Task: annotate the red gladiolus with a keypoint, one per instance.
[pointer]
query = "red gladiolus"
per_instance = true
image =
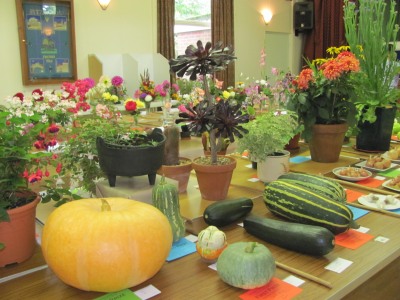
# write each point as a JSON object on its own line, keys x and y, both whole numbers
{"x": 59, "y": 167}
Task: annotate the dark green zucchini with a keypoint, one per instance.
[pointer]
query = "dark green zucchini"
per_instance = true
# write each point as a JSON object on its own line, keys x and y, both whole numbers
{"x": 302, "y": 205}
{"x": 307, "y": 239}
{"x": 225, "y": 212}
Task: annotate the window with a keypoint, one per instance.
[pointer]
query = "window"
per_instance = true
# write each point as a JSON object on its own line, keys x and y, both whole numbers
{"x": 192, "y": 23}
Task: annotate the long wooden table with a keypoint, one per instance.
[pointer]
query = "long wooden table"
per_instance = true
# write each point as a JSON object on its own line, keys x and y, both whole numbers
{"x": 375, "y": 271}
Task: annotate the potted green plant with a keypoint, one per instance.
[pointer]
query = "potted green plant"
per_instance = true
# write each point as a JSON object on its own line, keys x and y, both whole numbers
{"x": 321, "y": 96}
{"x": 220, "y": 119}
{"x": 371, "y": 32}
{"x": 265, "y": 141}
{"x": 29, "y": 127}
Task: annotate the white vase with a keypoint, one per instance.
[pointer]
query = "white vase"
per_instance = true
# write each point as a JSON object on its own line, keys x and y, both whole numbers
{"x": 273, "y": 166}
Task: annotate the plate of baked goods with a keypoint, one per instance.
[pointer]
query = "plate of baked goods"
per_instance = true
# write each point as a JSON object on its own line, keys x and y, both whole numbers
{"x": 393, "y": 154}
{"x": 377, "y": 163}
{"x": 392, "y": 184}
{"x": 352, "y": 173}
{"x": 387, "y": 202}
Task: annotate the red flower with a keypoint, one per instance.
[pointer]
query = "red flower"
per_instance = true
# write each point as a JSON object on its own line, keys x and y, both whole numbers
{"x": 53, "y": 128}
{"x": 20, "y": 96}
{"x": 305, "y": 77}
{"x": 59, "y": 167}
{"x": 131, "y": 106}
{"x": 37, "y": 95}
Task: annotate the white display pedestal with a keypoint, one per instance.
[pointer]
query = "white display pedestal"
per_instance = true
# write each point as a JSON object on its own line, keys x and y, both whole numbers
{"x": 136, "y": 188}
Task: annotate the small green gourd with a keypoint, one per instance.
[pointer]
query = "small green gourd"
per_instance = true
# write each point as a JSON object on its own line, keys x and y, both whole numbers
{"x": 165, "y": 197}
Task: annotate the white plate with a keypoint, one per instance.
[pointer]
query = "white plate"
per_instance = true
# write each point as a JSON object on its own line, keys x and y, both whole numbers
{"x": 349, "y": 178}
{"x": 386, "y": 185}
{"x": 364, "y": 201}
{"x": 362, "y": 164}
{"x": 385, "y": 155}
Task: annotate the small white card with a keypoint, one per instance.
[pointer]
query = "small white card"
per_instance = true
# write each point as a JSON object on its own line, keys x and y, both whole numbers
{"x": 147, "y": 292}
{"x": 339, "y": 265}
{"x": 293, "y": 280}
{"x": 253, "y": 179}
{"x": 213, "y": 266}
{"x": 191, "y": 238}
{"x": 249, "y": 166}
{"x": 362, "y": 229}
{"x": 381, "y": 239}
{"x": 380, "y": 177}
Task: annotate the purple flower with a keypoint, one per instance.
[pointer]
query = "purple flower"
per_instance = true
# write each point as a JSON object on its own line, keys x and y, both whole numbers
{"x": 142, "y": 96}
{"x": 117, "y": 81}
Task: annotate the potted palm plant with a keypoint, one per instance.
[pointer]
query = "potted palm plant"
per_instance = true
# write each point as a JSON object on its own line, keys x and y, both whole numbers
{"x": 29, "y": 126}
{"x": 371, "y": 32}
{"x": 265, "y": 141}
{"x": 220, "y": 119}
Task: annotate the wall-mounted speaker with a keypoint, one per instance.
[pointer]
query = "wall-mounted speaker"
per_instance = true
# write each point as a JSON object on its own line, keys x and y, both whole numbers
{"x": 303, "y": 16}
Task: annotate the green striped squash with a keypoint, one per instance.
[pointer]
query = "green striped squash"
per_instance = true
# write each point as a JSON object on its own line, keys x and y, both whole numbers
{"x": 300, "y": 204}
{"x": 319, "y": 184}
{"x": 165, "y": 197}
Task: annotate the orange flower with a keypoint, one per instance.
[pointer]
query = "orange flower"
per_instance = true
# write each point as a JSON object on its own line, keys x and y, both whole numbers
{"x": 305, "y": 77}
{"x": 331, "y": 69}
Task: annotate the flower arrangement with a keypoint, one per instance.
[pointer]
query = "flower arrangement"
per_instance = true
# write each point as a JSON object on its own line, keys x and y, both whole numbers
{"x": 146, "y": 91}
{"x": 115, "y": 90}
{"x": 322, "y": 92}
{"x": 220, "y": 119}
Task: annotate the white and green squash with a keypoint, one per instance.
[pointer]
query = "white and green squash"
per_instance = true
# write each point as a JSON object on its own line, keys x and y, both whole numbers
{"x": 319, "y": 184}
{"x": 246, "y": 265}
{"x": 165, "y": 197}
{"x": 304, "y": 205}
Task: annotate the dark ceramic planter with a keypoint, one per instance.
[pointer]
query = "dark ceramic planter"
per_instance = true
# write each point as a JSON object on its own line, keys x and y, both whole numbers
{"x": 133, "y": 160}
{"x": 375, "y": 137}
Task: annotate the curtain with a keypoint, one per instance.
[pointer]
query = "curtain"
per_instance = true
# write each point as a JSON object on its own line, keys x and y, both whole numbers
{"x": 328, "y": 29}
{"x": 165, "y": 28}
{"x": 222, "y": 30}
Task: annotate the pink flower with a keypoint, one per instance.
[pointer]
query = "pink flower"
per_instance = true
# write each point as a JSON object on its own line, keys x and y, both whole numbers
{"x": 117, "y": 81}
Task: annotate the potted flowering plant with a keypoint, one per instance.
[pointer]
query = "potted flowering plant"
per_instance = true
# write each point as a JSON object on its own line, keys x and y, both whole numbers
{"x": 29, "y": 128}
{"x": 220, "y": 119}
{"x": 322, "y": 95}
{"x": 372, "y": 33}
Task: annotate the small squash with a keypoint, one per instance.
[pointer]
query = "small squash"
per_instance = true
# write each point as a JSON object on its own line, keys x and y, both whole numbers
{"x": 106, "y": 245}
{"x": 246, "y": 265}
{"x": 210, "y": 243}
{"x": 165, "y": 197}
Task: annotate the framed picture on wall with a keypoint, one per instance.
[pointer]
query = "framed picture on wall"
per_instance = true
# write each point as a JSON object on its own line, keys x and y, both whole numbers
{"x": 46, "y": 33}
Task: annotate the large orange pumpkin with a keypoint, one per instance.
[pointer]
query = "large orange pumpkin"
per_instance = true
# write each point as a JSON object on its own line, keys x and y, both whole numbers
{"x": 106, "y": 245}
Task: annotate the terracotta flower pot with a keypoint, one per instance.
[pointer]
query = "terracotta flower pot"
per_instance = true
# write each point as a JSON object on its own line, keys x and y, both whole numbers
{"x": 180, "y": 173}
{"x": 18, "y": 235}
{"x": 326, "y": 142}
{"x": 214, "y": 180}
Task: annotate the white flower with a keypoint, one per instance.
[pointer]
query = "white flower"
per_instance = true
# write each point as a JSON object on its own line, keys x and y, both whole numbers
{"x": 148, "y": 98}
